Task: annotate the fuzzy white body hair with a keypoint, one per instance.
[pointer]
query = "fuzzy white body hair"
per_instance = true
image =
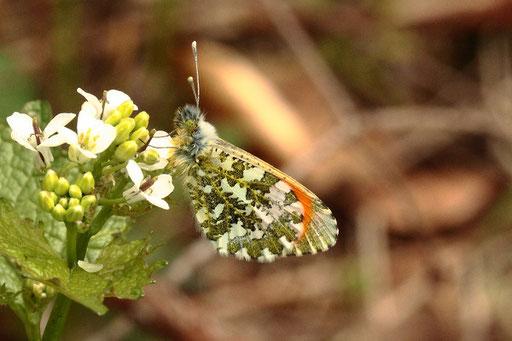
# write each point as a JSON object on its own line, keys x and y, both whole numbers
{"x": 193, "y": 137}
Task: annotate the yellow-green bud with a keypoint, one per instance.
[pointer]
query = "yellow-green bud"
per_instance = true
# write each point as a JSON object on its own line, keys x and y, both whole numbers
{"x": 45, "y": 201}
{"x": 59, "y": 212}
{"x": 140, "y": 136}
{"x": 75, "y": 191}
{"x": 141, "y": 120}
{"x": 73, "y": 202}
{"x": 74, "y": 213}
{"x": 126, "y": 108}
{"x": 126, "y": 150}
{"x": 50, "y": 180}
{"x": 63, "y": 202}
{"x": 87, "y": 202}
{"x": 149, "y": 157}
{"x": 86, "y": 182}
{"x": 123, "y": 129}
{"x": 113, "y": 118}
{"x": 62, "y": 186}
{"x": 55, "y": 197}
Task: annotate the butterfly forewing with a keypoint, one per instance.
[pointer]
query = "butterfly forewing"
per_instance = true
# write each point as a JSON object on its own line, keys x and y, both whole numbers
{"x": 253, "y": 211}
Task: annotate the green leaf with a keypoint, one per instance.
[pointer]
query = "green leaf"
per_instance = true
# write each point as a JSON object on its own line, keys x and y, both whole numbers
{"x": 125, "y": 268}
{"x": 19, "y": 183}
{"x": 26, "y": 246}
{"x": 115, "y": 225}
{"x": 10, "y": 284}
{"x": 123, "y": 274}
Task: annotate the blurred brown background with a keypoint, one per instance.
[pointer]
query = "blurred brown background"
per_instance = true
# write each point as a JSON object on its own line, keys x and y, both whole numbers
{"x": 396, "y": 113}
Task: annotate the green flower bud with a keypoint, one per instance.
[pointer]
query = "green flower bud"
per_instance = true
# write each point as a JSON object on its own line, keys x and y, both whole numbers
{"x": 86, "y": 182}
{"x": 141, "y": 120}
{"x": 126, "y": 108}
{"x": 54, "y": 197}
{"x": 59, "y": 212}
{"x": 113, "y": 118}
{"x": 73, "y": 202}
{"x": 63, "y": 202}
{"x": 75, "y": 191}
{"x": 126, "y": 150}
{"x": 140, "y": 136}
{"x": 62, "y": 186}
{"x": 74, "y": 213}
{"x": 123, "y": 129}
{"x": 50, "y": 180}
{"x": 45, "y": 201}
{"x": 149, "y": 157}
{"x": 87, "y": 202}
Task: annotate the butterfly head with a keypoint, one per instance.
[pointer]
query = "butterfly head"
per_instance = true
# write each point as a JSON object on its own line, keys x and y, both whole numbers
{"x": 193, "y": 133}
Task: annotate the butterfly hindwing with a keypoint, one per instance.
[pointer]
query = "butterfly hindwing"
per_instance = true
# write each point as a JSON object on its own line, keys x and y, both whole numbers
{"x": 253, "y": 211}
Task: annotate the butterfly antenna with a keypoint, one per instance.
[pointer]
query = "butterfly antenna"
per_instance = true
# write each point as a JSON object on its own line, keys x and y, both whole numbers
{"x": 190, "y": 81}
{"x": 194, "y": 52}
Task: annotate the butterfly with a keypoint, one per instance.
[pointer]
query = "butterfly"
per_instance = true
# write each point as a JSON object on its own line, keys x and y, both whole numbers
{"x": 243, "y": 205}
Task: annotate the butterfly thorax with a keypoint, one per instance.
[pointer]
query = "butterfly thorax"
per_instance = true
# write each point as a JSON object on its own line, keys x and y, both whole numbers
{"x": 193, "y": 135}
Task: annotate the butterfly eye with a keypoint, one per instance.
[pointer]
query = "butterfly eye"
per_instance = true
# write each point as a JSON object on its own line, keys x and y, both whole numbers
{"x": 190, "y": 126}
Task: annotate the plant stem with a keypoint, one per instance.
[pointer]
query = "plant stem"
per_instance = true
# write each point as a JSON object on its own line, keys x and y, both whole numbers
{"x": 71, "y": 238}
{"x": 114, "y": 168}
{"x": 96, "y": 225}
{"x": 62, "y": 304}
{"x": 99, "y": 220}
{"x": 98, "y": 166}
{"x": 109, "y": 202}
{"x": 57, "y": 319}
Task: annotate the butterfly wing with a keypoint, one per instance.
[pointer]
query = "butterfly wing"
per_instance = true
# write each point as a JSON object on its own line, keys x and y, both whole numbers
{"x": 253, "y": 211}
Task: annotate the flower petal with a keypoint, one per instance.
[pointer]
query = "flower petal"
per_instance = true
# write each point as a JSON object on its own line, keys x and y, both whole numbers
{"x": 107, "y": 135}
{"x": 21, "y": 124}
{"x": 114, "y": 99}
{"x": 54, "y": 141}
{"x": 159, "y": 165}
{"x": 134, "y": 172}
{"x": 133, "y": 194}
{"x": 77, "y": 154}
{"x": 85, "y": 121}
{"x": 70, "y": 137}
{"x": 47, "y": 155}
{"x": 156, "y": 201}
{"x": 90, "y": 267}
{"x": 16, "y": 137}
{"x": 90, "y": 109}
{"x": 58, "y": 121}
{"x": 93, "y": 100}
{"x": 162, "y": 187}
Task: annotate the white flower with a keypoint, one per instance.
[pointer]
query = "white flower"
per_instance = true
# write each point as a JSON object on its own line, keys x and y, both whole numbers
{"x": 94, "y": 106}
{"x": 162, "y": 144}
{"x": 94, "y": 136}
{"x": 152, "y": 190}
{"x": 26, "y": 132}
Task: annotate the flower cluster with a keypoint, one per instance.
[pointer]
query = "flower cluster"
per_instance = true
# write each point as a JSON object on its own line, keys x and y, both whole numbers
{"x": 111, "y": 147}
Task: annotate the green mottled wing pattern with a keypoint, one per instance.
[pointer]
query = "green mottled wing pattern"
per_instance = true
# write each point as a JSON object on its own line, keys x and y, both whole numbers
{"x": 253, "y": 211}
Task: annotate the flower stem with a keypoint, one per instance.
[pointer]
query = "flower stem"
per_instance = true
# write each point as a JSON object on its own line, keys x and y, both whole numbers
{"x": 111, "y": 201}
{"x": 57, "y": 319}
{"x": 33, "y": 331}
{"x": 71, "y": 239}
{"x": 104, "y": 157}
{"x": 114, "y": 168}
{"x": 62, "y": 304}
{"x": 100, "y": 219}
